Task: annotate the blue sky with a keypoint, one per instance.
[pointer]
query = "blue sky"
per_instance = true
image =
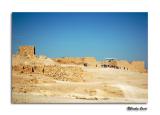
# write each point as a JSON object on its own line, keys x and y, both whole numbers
{"x": 102, "y": 35}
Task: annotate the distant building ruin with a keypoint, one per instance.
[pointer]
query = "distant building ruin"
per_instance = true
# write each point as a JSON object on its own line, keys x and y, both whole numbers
{"x": 137, "y": 66}
{"x": 124, "y": 65}
{"x": 86, "y": 61}
{"x": 28, "y": 51}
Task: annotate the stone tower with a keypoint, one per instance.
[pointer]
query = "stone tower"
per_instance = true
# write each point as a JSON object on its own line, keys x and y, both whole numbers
{"x": 27, "y": 51}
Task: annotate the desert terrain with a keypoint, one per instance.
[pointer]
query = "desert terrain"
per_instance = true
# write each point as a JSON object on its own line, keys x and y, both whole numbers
{"x": 39, "y": 79}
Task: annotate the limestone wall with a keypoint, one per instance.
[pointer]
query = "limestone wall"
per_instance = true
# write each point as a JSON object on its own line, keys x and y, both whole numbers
{"x": 112, "y": 63}
{"x": 57, "y": 72}
{"x": 68, "y": 60}
{"x": 18, "y": 68}
{"x": 137, "y": 66}
{"x": 28, "y": 51}
{"x": 90, "y": 61}
{"x": 123, "y": 64}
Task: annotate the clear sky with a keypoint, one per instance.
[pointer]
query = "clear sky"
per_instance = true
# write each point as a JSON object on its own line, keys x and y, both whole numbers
{"x": 102, "y": 35}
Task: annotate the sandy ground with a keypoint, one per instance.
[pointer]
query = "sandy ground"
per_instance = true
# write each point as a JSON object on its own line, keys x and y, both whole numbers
{"x": 100, "y": 85}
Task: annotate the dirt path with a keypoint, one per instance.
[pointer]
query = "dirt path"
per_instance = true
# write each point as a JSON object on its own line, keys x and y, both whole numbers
{"x": 99, "y": 86}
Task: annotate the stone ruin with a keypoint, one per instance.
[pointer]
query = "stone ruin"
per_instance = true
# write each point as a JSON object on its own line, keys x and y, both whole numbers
{"x": 137, "y": 66}
{"x": 31, "y": 66}
{"x": 57, "y": 72}
{"x": 27, "y": 51}
{"x": 86, "y": 61}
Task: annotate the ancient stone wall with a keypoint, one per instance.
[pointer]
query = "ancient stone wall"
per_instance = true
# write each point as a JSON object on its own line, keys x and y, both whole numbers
{"x": 28, "y": 51}
{"x": 18, "y": 68}
{"x": 133, "y": 66}
{"x": 27, "y": 69}
{"x": 111, "y": 63}
{"x": 137, "y": 66}
{"x": 90, "y": 61}
{"x": 123, "y": 64}
{"x": 68, "y": 60}
{"x": 51, "y": 70}
{"x": 57, "y": 72}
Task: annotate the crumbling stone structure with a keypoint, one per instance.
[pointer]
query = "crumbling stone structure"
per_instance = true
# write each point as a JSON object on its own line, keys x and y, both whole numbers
{"x": 18, "y": 68}
{"x": 87, "y": 61}
{"x": 27, "y": 69}
{"x": 137, "y": 66}
{"x": 27, "y": 51}
{"x": 57, "y": 72}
